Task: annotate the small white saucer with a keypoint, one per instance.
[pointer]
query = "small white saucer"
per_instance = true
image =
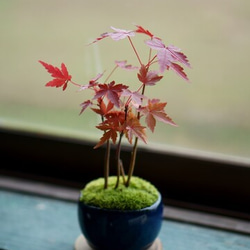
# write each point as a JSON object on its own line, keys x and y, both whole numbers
{"x": 81, "y": 244}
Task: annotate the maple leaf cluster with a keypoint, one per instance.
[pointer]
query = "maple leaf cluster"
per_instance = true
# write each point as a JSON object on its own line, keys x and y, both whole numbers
{"x": 121, "y": 108}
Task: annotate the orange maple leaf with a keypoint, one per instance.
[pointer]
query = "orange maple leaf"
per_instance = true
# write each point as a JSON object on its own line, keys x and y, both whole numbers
{"x": 134, "y": 128}
{"x": 103, "y": 109}
{"x": 111, "y": 126}
{"x": 109, "y": 134}
{"x": 155, "y": 111}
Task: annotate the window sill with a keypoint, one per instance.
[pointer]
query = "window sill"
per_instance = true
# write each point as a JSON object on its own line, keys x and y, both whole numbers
{"x": 170, "y": 213}
{"x": 195, "y": 182}
{"x": 47, "y": 214}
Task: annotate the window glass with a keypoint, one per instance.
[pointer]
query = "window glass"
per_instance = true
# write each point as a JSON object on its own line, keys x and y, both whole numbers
{"x": 212, "y": 111}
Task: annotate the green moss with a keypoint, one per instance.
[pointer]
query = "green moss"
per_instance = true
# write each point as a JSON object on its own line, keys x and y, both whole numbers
{"x": 138, "y": 195}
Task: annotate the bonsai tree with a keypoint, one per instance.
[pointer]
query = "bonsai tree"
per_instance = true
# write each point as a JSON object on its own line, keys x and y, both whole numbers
{"x": 125, "y": 111}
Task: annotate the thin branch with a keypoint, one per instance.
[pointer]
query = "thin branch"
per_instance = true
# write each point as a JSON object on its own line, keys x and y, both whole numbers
{"x": 132, "y": 162}
{"x": 134, "y": 152}
{"x": 76, "y": 84}
{"x": 111, "y": 73}
{"x": 118, "y": 153}
{"x": 106, "y": 165}
{"x": 122, "y": 172}
{"x": 136, "y": 53}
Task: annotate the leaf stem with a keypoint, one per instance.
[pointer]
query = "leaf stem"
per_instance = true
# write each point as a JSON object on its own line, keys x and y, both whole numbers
{"x": 136, "y": 53}
{"x": 151, "y": 61}
{"x": 76, "y": 84}
{"x": 149, "y": 55}
{"x": 110, "y": 74}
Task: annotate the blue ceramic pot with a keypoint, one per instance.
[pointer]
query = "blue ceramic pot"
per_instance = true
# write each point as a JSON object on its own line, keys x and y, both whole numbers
{"x": 124, "y": 230}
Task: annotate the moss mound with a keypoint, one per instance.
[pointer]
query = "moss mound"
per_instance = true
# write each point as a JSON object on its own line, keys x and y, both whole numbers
{"x": 138, "y": 195}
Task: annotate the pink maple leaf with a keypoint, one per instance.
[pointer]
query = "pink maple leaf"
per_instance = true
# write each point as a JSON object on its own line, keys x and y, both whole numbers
{"x": 155, "y": 43}
{"x": 85, "y": 105}
{"x": 135, "y": 97}
{"x": 119, "y": 34}
{"x": 168, "y": 56}
{"x": 96, "y": 78}
{"x": 92, "y": 82}
{"x": 124, "y": 65}
{"x": 164, "y": 59}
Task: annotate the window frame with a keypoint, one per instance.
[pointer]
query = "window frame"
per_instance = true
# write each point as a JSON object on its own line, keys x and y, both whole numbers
{"x": 192, "y": 181}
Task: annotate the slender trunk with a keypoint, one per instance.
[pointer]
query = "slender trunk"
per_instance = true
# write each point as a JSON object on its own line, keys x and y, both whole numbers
{"x": 106, "y": 166}
{"x": 132, "y": 162}
{"x": 122, "y": 172}
{"x": 134, "y": 152}
{"x": 118, "y": 153}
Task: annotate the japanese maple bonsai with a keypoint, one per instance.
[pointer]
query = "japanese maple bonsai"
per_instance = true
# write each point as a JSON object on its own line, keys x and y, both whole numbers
{"x": 122, "y": 109}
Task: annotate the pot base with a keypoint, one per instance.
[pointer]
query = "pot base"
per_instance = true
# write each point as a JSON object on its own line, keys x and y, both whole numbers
{"x": 81, "y": 244}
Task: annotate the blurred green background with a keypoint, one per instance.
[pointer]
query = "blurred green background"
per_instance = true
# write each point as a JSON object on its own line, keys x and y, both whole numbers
{"x": 212, "y": 111}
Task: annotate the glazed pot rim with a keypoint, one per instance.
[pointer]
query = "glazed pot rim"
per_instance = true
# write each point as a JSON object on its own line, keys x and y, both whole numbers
{"x": 152, "y": 207}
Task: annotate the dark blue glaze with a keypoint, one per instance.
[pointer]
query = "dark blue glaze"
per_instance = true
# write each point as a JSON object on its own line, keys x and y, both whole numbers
{"x": 120, "y": 230}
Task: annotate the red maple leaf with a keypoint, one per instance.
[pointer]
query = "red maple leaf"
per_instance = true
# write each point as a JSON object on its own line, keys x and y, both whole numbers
{"x": 140, "y": 29}
{"x": 111, "y": 91}
{"x": 61, "y": 76}
{"x": 178, "y": 55}
{"x": 179, "y": 70}
{"x": 102, "y": 36}
{"x": 134, "y": 128}
{"x": 155, "y": 111}
{"x": 116, "y": 118}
